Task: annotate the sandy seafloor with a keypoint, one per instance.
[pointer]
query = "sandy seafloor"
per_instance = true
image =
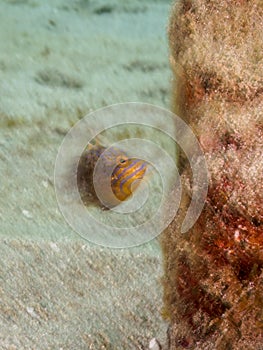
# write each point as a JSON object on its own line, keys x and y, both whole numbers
{"x": 59, "y": 60}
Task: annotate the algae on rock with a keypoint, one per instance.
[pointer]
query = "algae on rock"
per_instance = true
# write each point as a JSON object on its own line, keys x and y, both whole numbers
{"x": 213, "y": 274}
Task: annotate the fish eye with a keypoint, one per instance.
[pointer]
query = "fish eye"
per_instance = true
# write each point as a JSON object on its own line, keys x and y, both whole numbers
{"x": 122, "y": 160}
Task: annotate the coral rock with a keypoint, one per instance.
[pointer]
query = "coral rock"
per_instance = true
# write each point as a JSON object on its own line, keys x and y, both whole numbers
{"x": 213, "y": 283}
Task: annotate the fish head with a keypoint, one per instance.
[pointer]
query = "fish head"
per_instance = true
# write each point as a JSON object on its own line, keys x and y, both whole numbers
{"x": 127, "y": 175}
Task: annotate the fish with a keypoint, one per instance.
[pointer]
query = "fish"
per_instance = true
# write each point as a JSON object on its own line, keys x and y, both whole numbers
{"x": 125, "y": 174}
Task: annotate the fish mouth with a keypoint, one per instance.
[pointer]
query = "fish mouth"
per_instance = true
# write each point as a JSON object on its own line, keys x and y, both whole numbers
{"x": 140, "y": 177}
{"x": 142, "y": 168}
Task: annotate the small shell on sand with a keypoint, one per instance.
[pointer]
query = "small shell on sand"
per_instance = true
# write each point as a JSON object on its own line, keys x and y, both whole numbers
{"x": 154, "y": 345}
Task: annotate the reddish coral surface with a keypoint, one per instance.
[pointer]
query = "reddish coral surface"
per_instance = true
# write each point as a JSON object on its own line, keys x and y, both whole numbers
{"x": 214, "y": 273}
